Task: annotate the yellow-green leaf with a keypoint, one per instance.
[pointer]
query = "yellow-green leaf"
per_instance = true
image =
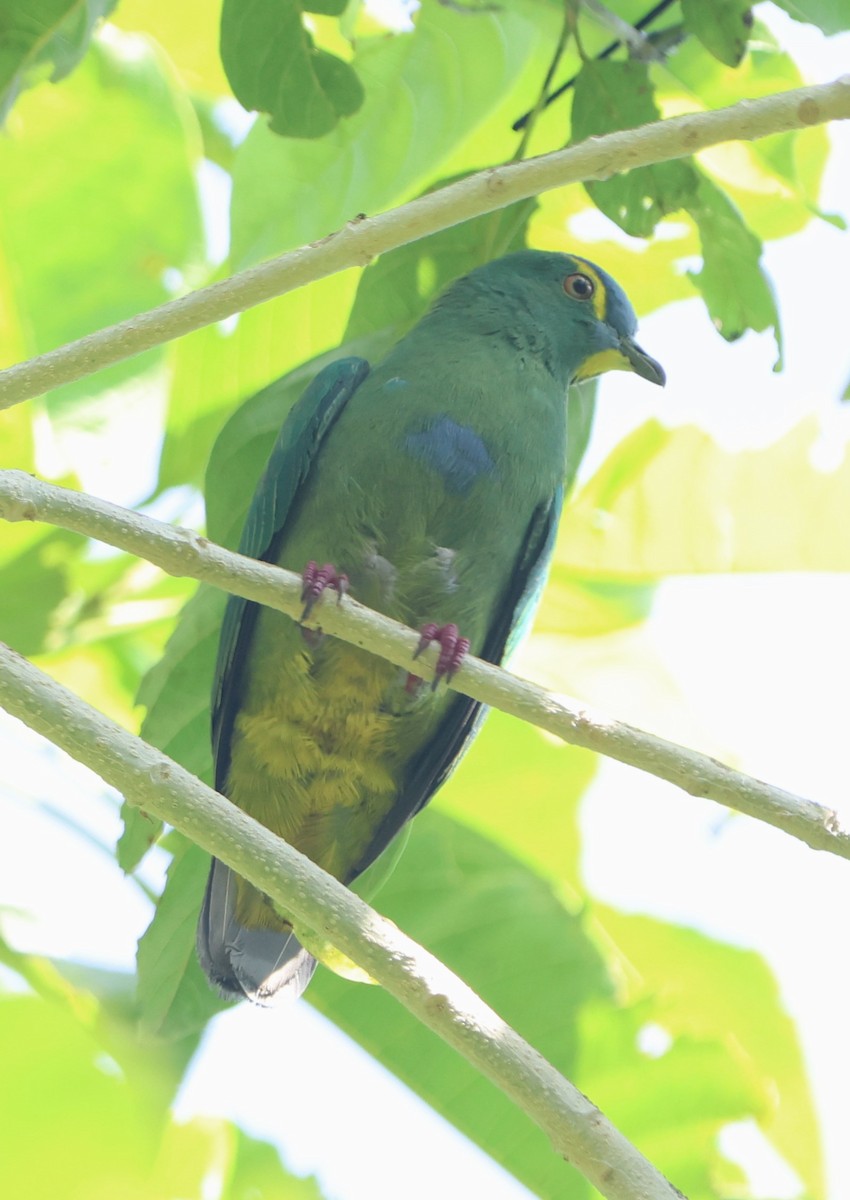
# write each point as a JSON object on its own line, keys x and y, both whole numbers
{"x": 756, "y": 510}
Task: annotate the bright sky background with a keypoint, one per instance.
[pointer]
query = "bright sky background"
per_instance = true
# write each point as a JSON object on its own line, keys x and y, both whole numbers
{"x": 764, "y": 663}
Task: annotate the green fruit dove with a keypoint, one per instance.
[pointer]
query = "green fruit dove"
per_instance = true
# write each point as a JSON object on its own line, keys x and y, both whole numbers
{"x": 430, "y": 486}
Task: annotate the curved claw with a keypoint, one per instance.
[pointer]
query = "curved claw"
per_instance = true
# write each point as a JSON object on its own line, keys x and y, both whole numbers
{"x": 315, "y": 580}
{"x": 453, "y": 649}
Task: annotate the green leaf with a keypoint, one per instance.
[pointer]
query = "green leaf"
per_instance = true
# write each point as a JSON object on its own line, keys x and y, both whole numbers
{"x": 42, "y": 39}
{"x": 723, "y": 27}
{"x": 737, "y": 293}
{"x": 127, "y": 213}
{"x": 509, "y": 760}
{"x": 243, "y": 1168}
{"x": 99, "y": 1096}
{"x": 628, "y": 522}
{"x": 213, "y": 369}
{"x": 590, "y": 608}
{"x": 35, "y": 564}
{"x": 397, "y": 290}
{"x": 700, "y": 989}
{"x": 188, "y": 33}
{"x": 174, "y": 998}
{"x": 139, "y": 834}
{"x": 775, "y": 181}
{"x": 581, "y": 409}
{"x": 832, "y": 16}
{"x": 181, "y": 728}
{"x": 109, "y": 626}
{"x": 13, "y": 348}
{"x": 506, "y": 932}
{"x": 60, "y": 1090}
{"x": 419, "y": 109}
{"x": 186, "y": 1156}
{"x": 618, "y": 95}
{"x": 176, "y": 693}
{"x": 328, "y": 8}
{"x": 672, "y": 1105}
{"x": 274, "y": 67}
{"x": 257, "y": 1172}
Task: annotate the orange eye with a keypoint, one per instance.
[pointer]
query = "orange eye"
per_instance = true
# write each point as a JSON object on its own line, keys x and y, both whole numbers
{"x": 580, "y": 287}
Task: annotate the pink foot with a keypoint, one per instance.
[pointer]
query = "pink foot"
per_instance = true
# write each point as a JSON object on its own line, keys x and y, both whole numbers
{"x": 453, "y": 650}
{"x": 315, "y": 580}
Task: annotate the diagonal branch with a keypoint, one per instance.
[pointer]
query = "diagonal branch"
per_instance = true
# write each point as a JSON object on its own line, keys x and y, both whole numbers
{"x": 365, "y": 237}
{"x": 575, "y": 1126}
{"x": 183, "y": 552}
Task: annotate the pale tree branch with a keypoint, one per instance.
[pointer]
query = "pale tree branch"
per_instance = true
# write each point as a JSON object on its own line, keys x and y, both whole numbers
{"x": 184, "y": 553}
{"x": 363, "y": 238}
{"x": 438, "y": 998}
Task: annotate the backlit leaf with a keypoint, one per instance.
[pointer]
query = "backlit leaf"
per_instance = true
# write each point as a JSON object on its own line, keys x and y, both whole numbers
{"x": 274, "y": 66}
{"x": 174, "y": 998}
{"x": 419, "y": 108}
{"x": 774, "y": 181}
{"x": 736, "y": 290}
{"x": 832, "y": 16}
{"x": 756, "y": 510}
{"x": 127, "y": 213}
{"x": 723, "y": 26}
{"x": 728, "y": 993}
{"x": 213, "y": 369}
{"x": 188, "y": 32}
{"x": 396, "y": 290}
{"x": 41, "y": 39}
{"x": 62, "y": 1091}
{"x": 618, "y": 95}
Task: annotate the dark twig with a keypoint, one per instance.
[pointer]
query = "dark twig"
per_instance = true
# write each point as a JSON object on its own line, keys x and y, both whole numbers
{"x": 640, "y": 25}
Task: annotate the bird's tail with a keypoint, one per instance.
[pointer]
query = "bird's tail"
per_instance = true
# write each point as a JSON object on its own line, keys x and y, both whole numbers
{"x": 264, "y": 963}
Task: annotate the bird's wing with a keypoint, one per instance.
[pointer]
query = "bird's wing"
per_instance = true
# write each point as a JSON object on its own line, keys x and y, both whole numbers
{"x": 291, "y": 459}
{"x": 431, "y": 767}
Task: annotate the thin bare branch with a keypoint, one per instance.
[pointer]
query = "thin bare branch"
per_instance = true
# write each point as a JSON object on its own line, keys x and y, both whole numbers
{"x": 185, "y": 553}
{"x": 364, "y": 238}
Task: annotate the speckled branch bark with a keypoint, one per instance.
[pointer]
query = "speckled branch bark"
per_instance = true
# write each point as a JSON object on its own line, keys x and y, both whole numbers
{"x": 364, "y": 238}
{"x": 182, "y": 552}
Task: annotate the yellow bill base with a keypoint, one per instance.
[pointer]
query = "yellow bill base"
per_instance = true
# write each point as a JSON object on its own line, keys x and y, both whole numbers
{"x": 605, "y": 360}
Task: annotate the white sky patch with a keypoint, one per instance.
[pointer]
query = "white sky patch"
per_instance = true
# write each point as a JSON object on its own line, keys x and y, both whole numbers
{"x": 771, "y": 1178}
{"x": 291, "y": 1076}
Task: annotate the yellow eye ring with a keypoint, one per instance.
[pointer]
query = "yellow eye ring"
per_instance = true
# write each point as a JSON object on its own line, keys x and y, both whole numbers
{"x": 580, "y": 287}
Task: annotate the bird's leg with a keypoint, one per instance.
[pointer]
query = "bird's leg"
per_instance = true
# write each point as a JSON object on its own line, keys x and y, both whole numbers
{"x": 315, "y": 580}
{"x": 453, "y": 650}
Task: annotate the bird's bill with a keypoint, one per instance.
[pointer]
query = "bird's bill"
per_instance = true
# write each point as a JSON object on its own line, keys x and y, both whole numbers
{"x": 625, "y": 356}
{"x": 640, "y": 362}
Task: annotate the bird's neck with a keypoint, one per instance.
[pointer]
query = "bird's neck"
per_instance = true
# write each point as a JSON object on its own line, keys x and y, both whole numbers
{"x": 508, "y": 326}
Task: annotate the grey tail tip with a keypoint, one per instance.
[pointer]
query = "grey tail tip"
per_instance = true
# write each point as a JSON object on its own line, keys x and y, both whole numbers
{"x": 265, "y": 966}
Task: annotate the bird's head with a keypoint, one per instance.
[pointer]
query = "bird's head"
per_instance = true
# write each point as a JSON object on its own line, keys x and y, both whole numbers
{"x": 585, "y": 313}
